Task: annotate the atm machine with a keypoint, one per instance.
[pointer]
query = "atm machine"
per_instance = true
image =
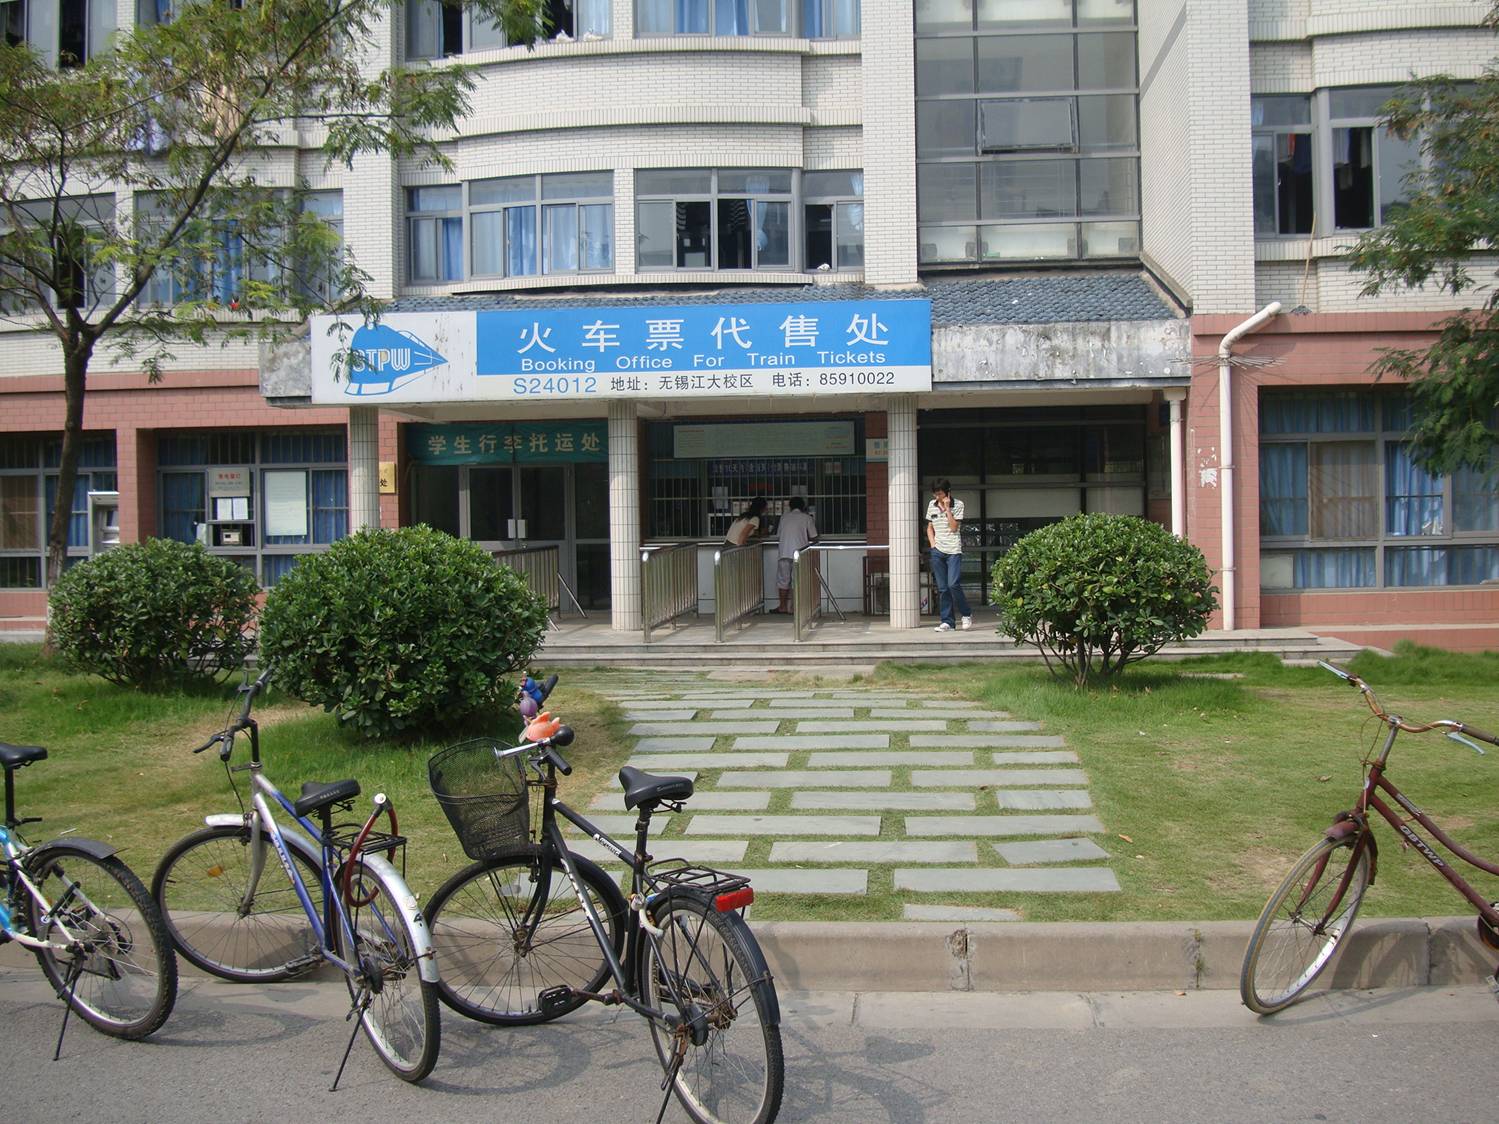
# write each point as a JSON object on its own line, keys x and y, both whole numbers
{"x": 103, "y": 521}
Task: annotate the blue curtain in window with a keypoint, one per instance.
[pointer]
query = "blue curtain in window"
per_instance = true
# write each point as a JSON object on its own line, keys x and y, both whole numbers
{"x": 1283, "y": 490}
{"x": 731, "y": 17}
{"x": 1352, "y": 568}
{"x": 78, "y": 522}
{"x": 1335, "y": 412}
{"x": 1475, "y": 503}
{"x": 330, "y": 505}
{"x": 1425, "y": 565}
{"x": 1413, "y": 497}
{"x": 1474, "y": 564}
{"x": 812, "y": 21}
{"x": 182, "y": 505}
{"x": 274, "y": 566}
{"x": 228, "y": 266}
{"x": 692, "y": 17}
{"x": 452, "y": 249}
{"x": 302, "y": 448}
{"x": 520, "y": 241}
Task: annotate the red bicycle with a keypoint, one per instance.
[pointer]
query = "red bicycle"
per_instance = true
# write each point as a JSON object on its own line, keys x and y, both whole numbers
{"x": 1309, "y": 915}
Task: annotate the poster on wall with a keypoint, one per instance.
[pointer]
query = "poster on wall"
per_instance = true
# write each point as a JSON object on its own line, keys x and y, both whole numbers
{"x": 793, "y": 349}
{"x": 286, "y": 503}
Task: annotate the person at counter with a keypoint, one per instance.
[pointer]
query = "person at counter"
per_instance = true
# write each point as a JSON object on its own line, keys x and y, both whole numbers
{"x": 796, "y": 531}
{"x": 749, "y": 524}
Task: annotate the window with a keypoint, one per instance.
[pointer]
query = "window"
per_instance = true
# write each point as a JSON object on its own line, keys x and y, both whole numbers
{"x": 434, "y": 224}
{"x": 522, "y": 225}
{"x": 64, "y": 32}
{"x": 80, "y": 221}
{"x": 1344, "y": 505}
{"x": 435, "y": 29}
{"x": 703, "y": 219}
{"x": 261, "y": 498}
{"x": 322, "y": 285}
{"x": 812, "y": 19}
{"x": 1282, "y": 164}
{"x": 833, "y": 220}
{"x": 1368, "y": 163}
{"x": 28, "y": 498}
{"x": 1027, "y": 141}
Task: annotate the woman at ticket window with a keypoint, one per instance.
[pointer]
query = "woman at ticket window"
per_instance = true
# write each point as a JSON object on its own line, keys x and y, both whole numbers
{"x": 749, "y": 524}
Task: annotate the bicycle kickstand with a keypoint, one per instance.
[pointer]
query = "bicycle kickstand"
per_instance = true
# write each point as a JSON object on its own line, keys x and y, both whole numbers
{"x": 679, "y": 1054}
{"x": 356, "y": 1013}
{"x": 75, "y": 969}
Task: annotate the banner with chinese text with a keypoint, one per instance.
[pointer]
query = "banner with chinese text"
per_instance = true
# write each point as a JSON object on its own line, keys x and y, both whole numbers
{"x": 508, "y": 442}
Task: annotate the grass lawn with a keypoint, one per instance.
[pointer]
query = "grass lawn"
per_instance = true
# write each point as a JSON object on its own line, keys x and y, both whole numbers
{"x": 1208, "y": 786}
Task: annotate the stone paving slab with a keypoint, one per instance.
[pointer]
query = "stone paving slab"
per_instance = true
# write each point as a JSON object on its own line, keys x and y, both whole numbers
{"x": 925, "y": 712}
{"x": 902, "y": 727}
{"x": 615, "y": 825}
{"x": 674, "y": 745}
{"x": 1018, "y": 741}
{"x": 1038, "y": 757}
{"x": 693, "y": 850}
{"x": 831, "y": 881}
{"x": 736, "y": 801}
{"x": 802, "y": 778}
{"x": 979, "y": 741}
{"x": 998, "y": 777}
{"x": 670, "y": 729}
{"x": 912, "y": 912}
{"x": 660, "y": 715}
{"x": 651, "y": 704}
{"x": 1040, "y": 799}
{"x": 1049, "y": 851}
{"x": 899, "y": 757}
{"x": 779, "y": 703}
{"x": 780, "y": 713}
{"x": 922, "y": 826}
{"x": 825, "y": 741}
{"x": 713, "y": 824}
{"x": 843, "y": 851}
{"x": 1056, "y": 880}
{"x": 671, "y": 762}
{"x": 852, "y": 801}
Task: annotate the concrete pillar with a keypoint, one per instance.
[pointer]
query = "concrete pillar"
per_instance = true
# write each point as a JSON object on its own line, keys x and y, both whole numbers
{"x": 905, "y": 516}
{"x": 364, "y": 467}
{"x": 624, "y": 516}
{"x": 1178, "y": 484}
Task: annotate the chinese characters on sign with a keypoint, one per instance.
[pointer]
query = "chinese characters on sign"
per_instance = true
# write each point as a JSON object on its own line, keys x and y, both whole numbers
{"x": 809, "y": 348}
{"x": 507, "y": 442}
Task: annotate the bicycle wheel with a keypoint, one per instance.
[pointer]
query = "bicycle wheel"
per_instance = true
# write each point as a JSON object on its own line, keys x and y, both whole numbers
{"x": 119, "y": 968}
{"x": 490, "y": 970}
{"x": 702, "y": 970}
{"x": 1291, "y": 944}
{"x": 400, "y": 1008}
{"x": 202, "y": 886}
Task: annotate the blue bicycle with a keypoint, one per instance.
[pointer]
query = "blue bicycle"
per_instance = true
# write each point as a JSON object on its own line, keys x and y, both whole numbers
{"x": 252, "y": 901}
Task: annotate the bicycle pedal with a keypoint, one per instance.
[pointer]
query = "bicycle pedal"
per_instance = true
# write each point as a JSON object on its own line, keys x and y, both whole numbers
{"x": 552, "y": 999}
{"x": 302, "y": 965}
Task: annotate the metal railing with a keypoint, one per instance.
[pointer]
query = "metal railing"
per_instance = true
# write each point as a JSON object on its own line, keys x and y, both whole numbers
{"x": 808, "y": 585}
{"x": 668, "y": 584}
{"x": 540, "y": 567}
{"x": 738, "y": 585}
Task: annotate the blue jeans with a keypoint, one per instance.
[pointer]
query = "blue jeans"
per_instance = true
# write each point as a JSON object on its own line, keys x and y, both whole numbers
{"x": 947, "y": 572}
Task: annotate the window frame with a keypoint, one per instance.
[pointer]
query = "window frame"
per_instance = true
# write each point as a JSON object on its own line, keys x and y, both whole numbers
{"x": 838, "y": 202}
{"x": 438, "y": 220}
{"x": 100, "y": 21}
{"x": 98, "y": 470}
{"x": 794, "y": 28}
{"x": 540, "y": 203}
{"x": 1275, "y": 132}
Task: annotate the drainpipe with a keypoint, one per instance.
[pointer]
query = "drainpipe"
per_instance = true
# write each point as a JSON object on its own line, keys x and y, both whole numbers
{"x": 1226, "y": 454}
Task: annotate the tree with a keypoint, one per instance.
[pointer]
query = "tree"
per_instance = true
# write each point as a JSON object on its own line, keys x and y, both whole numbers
{"x": 1443, "y": 236}
{"x": 179, "y": 115}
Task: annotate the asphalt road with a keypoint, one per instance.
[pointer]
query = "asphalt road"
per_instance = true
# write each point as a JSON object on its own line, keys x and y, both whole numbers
{"x": 265, "y": 1053}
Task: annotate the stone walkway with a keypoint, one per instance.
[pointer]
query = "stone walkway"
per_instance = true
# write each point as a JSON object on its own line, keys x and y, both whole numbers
{"x": 959, "y": 812}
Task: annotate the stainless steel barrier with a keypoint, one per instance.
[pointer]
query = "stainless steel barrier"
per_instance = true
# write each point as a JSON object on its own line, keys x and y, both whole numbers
{"x": 808, "y": 585}
{"x": 738, "y": 585}
{"x": 668, "y": 584}
{"x": 540, "y": 567}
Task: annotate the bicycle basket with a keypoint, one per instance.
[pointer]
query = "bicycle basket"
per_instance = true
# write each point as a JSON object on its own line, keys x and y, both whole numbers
{"x": 484, "y": 797}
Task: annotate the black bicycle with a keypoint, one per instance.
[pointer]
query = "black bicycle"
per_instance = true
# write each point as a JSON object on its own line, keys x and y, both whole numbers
{"x": 531, "y": 931}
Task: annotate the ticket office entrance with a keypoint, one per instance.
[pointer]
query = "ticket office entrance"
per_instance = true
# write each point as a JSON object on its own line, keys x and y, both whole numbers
{"x": 512, "y": 506}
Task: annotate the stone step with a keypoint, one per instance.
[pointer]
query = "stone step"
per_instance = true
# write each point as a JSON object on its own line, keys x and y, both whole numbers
{"x": 674, "y": 745}
{"x": 952, "y": 712}
{"x": 736, "y": 801}
{"x": 1049, "y": 851}
{"x": 861, "y": 727}
{"x": 780, "y": 713}
{"x": 1020, "y": 880}
{"x": 788, "y": 881}
{"x": 660, "y": 716}
{"x": 998, "y": 777}
{"x": 898, "y": 757}
{"x": 823, "y": 741}
{"x": 687, "y": 729}
{"x": 714, "y": 824}
{"x": 969, "y": 826}
{"x": 674, "y": 762}
{"x": 1037, "y": 757}
{"x": 711, "y": 851}
{"x": 843, "y": 851}
{"x": 806, "y": 778}
{"x": 1040, "y": 799}
{"x": 992, "y": 741}
{"x": 854, "y": 801}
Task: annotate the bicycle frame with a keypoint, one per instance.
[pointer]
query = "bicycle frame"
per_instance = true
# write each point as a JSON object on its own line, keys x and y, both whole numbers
{"x": 15, "y": 850}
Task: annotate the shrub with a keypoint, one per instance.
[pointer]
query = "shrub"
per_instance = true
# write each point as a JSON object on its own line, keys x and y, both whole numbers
{"x": 400, "y": 631}
{"x": 1097, "y": 592}
{"x": 155, "y": 612}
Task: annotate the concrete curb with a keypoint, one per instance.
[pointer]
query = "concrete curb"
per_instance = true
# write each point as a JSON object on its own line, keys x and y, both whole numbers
{"x": 1082, "y": 956}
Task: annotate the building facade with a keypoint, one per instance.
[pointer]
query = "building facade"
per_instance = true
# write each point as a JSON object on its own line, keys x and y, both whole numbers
{"x": 652, "y": 287}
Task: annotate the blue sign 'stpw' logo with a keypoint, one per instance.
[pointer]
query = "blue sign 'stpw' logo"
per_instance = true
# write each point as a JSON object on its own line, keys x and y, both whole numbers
{"x": 382, "y": 359}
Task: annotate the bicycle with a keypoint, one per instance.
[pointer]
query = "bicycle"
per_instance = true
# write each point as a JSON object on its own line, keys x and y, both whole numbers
{"x": 531, "y": 931}
{"x": 236, "y": 914}
{"x": 90, "y": 923}
{"x": 1311, "y": 912}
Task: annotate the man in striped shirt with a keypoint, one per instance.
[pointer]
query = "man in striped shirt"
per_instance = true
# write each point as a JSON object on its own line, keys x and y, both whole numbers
{"x": 944, "y": 517}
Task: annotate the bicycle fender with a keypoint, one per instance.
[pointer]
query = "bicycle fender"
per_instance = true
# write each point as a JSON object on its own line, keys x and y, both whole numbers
{"x": 294, "y": 838}
{"x": 764, "y": 984}
{"x": 426, "y": 958}
{"x": 93, "y": 848}
{"x": 1346, "y": 825}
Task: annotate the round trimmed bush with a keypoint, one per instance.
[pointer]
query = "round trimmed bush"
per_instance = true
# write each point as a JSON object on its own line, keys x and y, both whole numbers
{"x": 400, "y": 631}
{"x": 1097, "y": 592}
{"x": 155, "y": 612}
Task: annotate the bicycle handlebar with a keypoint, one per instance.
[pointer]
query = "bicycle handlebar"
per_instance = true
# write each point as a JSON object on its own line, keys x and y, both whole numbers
{"x": 1452, "y": 726}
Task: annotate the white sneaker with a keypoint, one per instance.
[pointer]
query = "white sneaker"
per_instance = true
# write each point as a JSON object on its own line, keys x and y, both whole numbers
{"x": 943, "y": 627}
{"x": 966, "y": 624}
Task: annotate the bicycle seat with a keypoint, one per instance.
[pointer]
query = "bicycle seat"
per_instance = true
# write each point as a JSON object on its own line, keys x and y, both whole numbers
{"x": 647, "y": 788}
{"x": 14, "y": 756}
{"x": 316, "y": 797}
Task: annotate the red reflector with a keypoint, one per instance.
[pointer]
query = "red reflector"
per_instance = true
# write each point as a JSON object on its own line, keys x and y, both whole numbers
{"x": 725, "y": 903}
